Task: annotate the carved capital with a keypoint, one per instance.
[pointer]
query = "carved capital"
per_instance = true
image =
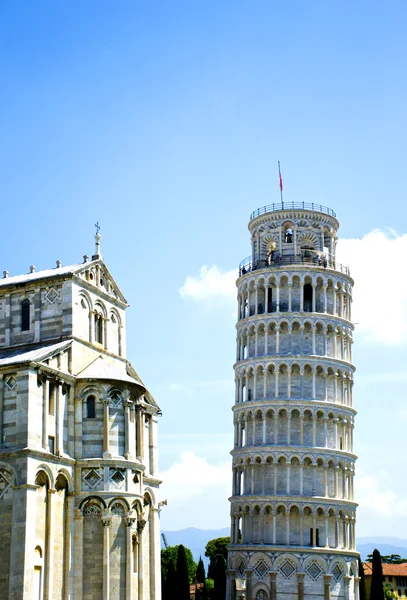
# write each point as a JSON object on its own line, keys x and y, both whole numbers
{"x": 141, "y": 523}
{"x": 130, "y": 518}
{"x": 106, "y": 518}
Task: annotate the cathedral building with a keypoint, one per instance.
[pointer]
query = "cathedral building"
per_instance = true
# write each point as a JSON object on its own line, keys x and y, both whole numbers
{"x": 292, "y": 504}
{"x": 79, "y": 514}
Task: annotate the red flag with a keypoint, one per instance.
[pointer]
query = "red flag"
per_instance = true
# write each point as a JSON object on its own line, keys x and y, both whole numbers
{"x": 281, "y": 179}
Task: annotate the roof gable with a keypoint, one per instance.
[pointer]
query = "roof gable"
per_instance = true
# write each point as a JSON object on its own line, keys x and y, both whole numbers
{"x": 84, "y": 271}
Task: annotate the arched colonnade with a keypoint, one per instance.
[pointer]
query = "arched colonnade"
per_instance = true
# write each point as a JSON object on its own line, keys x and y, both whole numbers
{"x": 294, "y": 292}
{"x": 297, "y": 336}
{"x": 293, "y": 379}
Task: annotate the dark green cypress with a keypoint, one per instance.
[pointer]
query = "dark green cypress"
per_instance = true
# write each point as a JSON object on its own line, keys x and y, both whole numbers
{"x": 169, "y": 583}
{"x": 200, "y": 580}
{"x": 219, "y": 579}
{"x": 376, "y": 591}
{"x": 182, "y": 576}
{"x": 362, "y": 582}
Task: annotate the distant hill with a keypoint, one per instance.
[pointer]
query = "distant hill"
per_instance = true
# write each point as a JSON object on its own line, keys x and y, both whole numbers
{"x": 196, "y": 540}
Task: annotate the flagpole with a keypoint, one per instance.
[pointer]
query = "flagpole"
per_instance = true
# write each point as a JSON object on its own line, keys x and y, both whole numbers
{"x": 281, "y": 183}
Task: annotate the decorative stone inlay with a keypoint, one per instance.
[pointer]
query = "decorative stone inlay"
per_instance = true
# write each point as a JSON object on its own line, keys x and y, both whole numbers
{"x": 337, "y": 572}
{"x": 92, "y": 510}
{"x": 11, "y": 382}
{"x": 4, "y": 482}
{"x": 115, "y": 401}
{"x": 117, "y": 476}
{"x": 118, "y": 510}
{"x": 92, "y": 478}
{"x": 51, "y": 296}
{"x": 261, "y": 568}
{"x": 241, "y": 568}
{"x": 314, "y": 570}
{"x": 287, "y": 568}
{"x": 261, "y": 595}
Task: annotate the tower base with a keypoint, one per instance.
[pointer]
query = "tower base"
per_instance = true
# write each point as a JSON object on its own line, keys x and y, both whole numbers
{"x": 273, "y": 573}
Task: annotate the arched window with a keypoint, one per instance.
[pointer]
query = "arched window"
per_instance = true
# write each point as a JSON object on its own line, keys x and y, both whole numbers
{"x": 98, "y": 328}
{"x": 90, "y": 407}
{"x": 308, "y": 297}
{"x": 25, "y": 315}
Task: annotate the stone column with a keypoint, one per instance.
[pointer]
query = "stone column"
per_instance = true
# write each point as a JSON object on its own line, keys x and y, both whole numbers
{"x": 69, "y": 546}
{"x": 49, "y": 544}
{"x": 346, "y": 582}
{"x": 289, "y": 297}
{"x": 266, "y": 340}
{"x": 326, "y": 531}
{"x": 248, "y": 573}
{"x": 302, "y": 296}
{"x": 301, "y": 430}
{"x": 77, "y": 547}
{"x": 106, "y": 427}
{"x": 289, "y": 382}
{"x": 327, "y": 587}
{"x": 325, "y": 299}
{"x": 356, "y": 581}
{"x": 127, "y": 451}
{"x": 140, "y": 432}
{"x": 300, "y": 577}
{"x": 59, "y": 419}
{"x": 287, "y": 528}
{"x": 129, "y": 566}
{"x": 45, "y": 404}
{"x": 106, "y": 522}
{"x": 266, "y": 299}
{"x": 314, "y": 530}
{"x": 71, "y": 421}
{"x": 273, "y": 585}
{"x": 264, "y": 428}
{"x": 274, "y": 528}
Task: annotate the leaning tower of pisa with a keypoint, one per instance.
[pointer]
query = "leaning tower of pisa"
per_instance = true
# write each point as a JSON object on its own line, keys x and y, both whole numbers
{"x": 292, "y": 503}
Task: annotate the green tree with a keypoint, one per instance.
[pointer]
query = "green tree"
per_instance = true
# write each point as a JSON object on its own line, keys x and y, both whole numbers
{"x": 362, "y": 583}
{"x": 219, "y": 579}
{"x": 201, "y": 593}
{"x": 213, "y": 548}
{"x": 182, "y": 575}
{"x": 170, "y": 554}
{"x": 388, "y": 592}
{"x": 168, "y": 581}
{"x": 376, "y": 591}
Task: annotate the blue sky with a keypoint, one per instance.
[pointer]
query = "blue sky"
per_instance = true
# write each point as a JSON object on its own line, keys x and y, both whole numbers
{"x": 164, "y": 121}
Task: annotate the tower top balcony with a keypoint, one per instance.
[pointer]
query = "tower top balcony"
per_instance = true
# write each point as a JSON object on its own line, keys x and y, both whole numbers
{"x": 283, "y": 206}
{"x": 307, "y": 259}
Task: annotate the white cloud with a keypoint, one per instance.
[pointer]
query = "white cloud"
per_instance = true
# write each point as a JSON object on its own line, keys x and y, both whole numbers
{"x": 379, "y": 505}
{"x": 197, "y": 493}
{"x": 378, "y": 263}
{"x": 210, "y": 284}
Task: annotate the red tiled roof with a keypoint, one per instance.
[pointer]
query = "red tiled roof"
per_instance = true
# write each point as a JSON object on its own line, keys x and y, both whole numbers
{"x": 392, "y": 570}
